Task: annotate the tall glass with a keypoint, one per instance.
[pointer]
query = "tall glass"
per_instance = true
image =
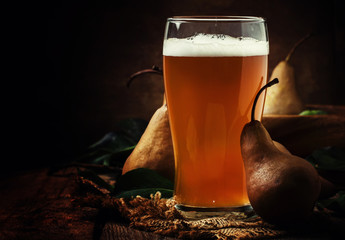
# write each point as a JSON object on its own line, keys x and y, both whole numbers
{"x": 213, "y": 68}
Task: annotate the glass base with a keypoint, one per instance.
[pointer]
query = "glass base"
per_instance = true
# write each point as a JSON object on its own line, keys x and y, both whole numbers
{"x": 196, "y": 213}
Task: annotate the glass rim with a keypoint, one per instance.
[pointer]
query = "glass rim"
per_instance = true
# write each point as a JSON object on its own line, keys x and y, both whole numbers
{"x": 210, "y": 18}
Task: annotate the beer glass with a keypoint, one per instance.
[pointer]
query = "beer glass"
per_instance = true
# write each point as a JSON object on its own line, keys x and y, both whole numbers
{"x": 213, "y": 68}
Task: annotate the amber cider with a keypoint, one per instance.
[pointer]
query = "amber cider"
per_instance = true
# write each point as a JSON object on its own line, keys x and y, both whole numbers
{"x": 210, "y": 83}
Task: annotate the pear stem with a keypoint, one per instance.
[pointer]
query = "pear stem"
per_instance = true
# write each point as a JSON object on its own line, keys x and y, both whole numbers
{"x": 154, "y": 69}
{"x": 269, "y": 84}
{"x": 296, "y": 45}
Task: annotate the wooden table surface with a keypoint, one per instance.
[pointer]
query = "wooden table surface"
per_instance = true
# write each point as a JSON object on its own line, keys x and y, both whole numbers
{"x": 39, "y": 205}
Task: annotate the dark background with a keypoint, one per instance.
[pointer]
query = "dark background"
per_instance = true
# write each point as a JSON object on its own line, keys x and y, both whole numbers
{"x": 67, "y": 64}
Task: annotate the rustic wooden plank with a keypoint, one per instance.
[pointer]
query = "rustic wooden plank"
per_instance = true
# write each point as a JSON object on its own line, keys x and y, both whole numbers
{"x": 116, "y": 231}
{"x": 36, "y": 205}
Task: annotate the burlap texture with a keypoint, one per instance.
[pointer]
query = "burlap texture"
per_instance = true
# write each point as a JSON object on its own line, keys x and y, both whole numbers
{"x": 159, "y": 216}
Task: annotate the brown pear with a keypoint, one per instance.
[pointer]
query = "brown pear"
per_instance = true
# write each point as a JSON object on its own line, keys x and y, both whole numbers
{"x": 281, "y": 147}
{"x": 282, "y": 188}
{"x": 284, "y": 98}
{"x": 154, "y": 149}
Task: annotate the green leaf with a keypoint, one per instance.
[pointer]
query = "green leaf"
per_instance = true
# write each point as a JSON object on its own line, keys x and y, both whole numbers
{"x": 330, "y": 158}
{"x": 142, "y": 178}
{"x": 123, "y": 153}
{"x": 313, "y": 112}
{"x": 133, "y": 128}
{"x": 112, "y": 149}
{"x": 115, "y": 147}
{"x": 113, "y": 142}
{"x": 102, "y": 159}
{"x": 336, "y": 203}
{"x": 146, "y": 193}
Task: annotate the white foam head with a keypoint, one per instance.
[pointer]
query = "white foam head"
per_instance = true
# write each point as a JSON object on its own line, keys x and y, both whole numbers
{"x": 208, "y": 45}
